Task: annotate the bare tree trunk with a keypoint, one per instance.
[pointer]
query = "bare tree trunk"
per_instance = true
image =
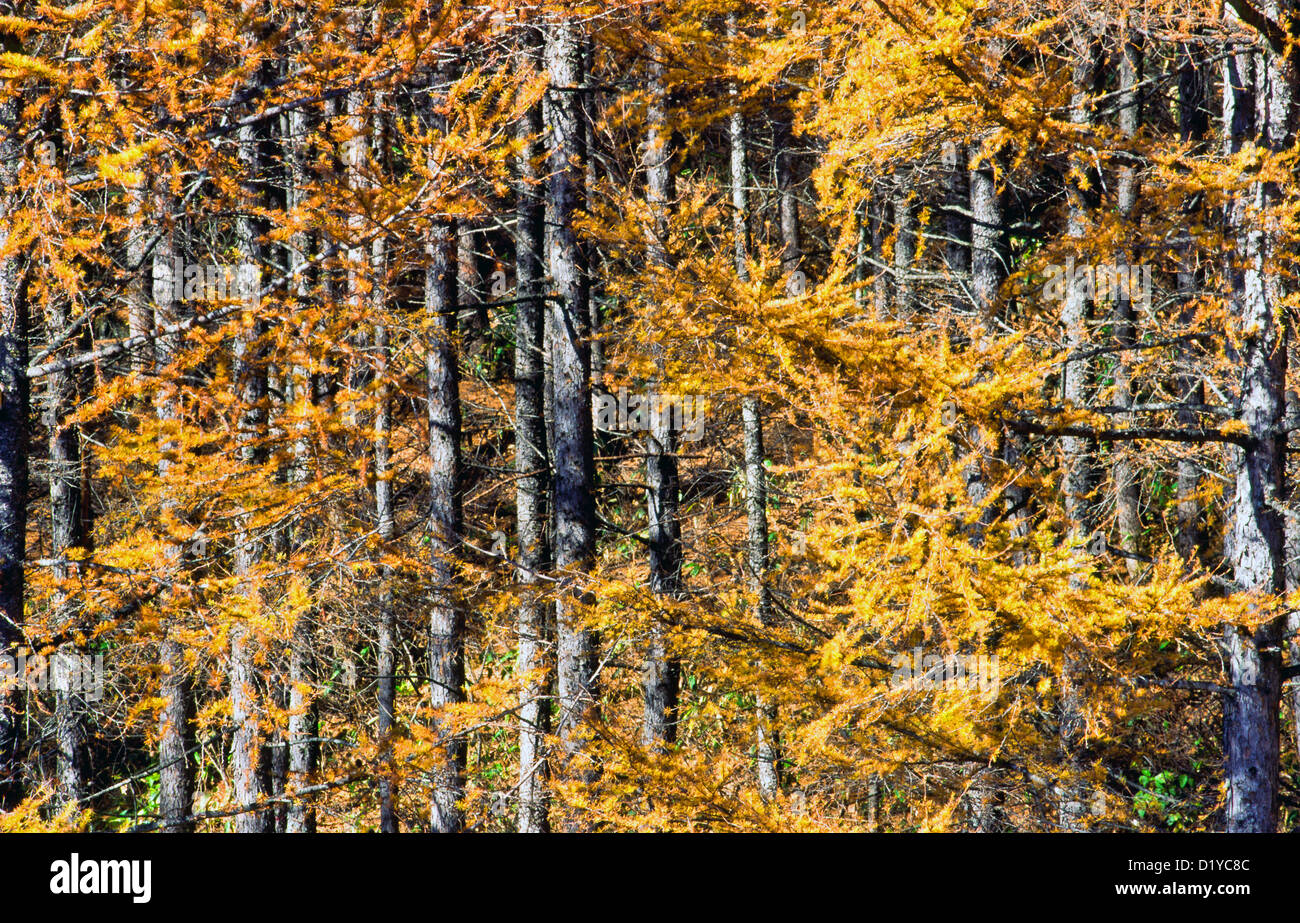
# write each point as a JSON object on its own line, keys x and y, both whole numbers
{"x": 1077, "y": 462}
{"x": 532, "y": 468}
{"x": 386, "y": 661}
{"x": 1127, "y": 499}
{"x": 568, "y": 321}
{"x": 303, "y": 730}
{"x": 139, "y": 309}
{"x": 661, "y": 672}
{"x": 14, "y": 404}
{"x": 247, "y": 758}
{"x": 878, "y": 218}
{"x": 175, "y": 767}
{"x": 904, "y": 212}
{"x": 446, "y": 619}
{"x": 769, "y": 779}
{"x": 1193, "y": 122}
{"x": 956, "y": 217}
{"x": 67, "y": 531}
{"x": 1258, "y": 545}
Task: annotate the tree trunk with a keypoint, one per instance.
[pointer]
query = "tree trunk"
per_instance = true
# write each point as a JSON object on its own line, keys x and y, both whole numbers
{"x": 755, "y": 474}
{"x": 568, "y": 321}
{"x": 175, "y": 767}
{"x": 1193, "y": 126}
{"x": 659, "y": 683}
{"x": 1258, "y": 545}
{"x": 446, "y": 620}
{"x": 956, "y": 217}
{"x": 250, "y": 373}
{"x": 904, "y": 212}
{"x": 1127, "y": 500}
{"x": 386, "y": 661}
{"x": 67, "y": 531}
{"x": 1076, "y": 454}
{"x": 532, "y": 467}
{"x": 14, "y": 405}
{"x": 303, "y": 730}
{"x": 878, "y": 218}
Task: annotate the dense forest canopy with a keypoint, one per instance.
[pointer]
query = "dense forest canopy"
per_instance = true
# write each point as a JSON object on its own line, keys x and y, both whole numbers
{"x": 647, "y": 415}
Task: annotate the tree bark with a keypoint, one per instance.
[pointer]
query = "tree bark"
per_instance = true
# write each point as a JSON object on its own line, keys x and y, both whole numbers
{"x": 14, "y": 404}
{"x": 532, "y": 467}
{"x": 756, "y": 544}
{"x": 303, "y": 730}
{"x": 250, "y": 372}
{"x": 661, "y": 672}
{"x": 175, "y": 766}
{"x": 904, "y": 213}
{"x": 67, "y": 531}
{"x": 446, "y": 618}
{"x": 1258, "y": 544}
{"x": 568, "y": 322}
{"x": 1076, "y": 455}
{"x": 1193, "y": 126}
{"x": 1127, "y": 499}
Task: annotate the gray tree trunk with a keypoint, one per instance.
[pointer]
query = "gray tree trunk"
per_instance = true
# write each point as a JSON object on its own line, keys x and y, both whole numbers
{"x": 755, "y": 474}
{"x": 957, "y": 214}
{"x": 531, "y": 466}
{"x": 1127, "y": 499}
{"x": 568, "y": 323}
{"x": 67, "y": 531}
{"x": 1193, "y": 126}
{"x": 250, "y": 372}
{"x": 307, "y": 387}
{"x": 1076, "y": 455}
{"x": 175, "y": 766}
{"x": 446, "y": 620}
{"x": 14, "y": 404}
{"x": 661, "y": 672}
{"x": 1258, "y": 544}
{"x": 904, "y": 213}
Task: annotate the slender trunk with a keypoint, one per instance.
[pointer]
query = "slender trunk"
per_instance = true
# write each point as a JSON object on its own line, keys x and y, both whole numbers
{"x": 956, "y": 217}
{"x": 904, "y": 212}
{"x": 787, "y": 196}
{"x": 987, "y": 271}
{"x": 1193, "y": 126}
{"x": 568, "y": 323}
{"x": 1258, "y": 545}
{"x": 175, "y": 768}
{"x": 67, "y": 531}
{"x": 446, "y": 620}
{"x": 660, "y": 675}
{"x": 303, "y": 730}
{"x": 250, "y": 374}
{"x": 14, "y": 403}
{"x": 959, "y": 249}
{"x": 878, "y": 218}
{"x": 1127, "y": 500}
{"x": 139, "y": 310}
{"x": 532, "y": 469}
{"x": 386, "y": 661}
{"x": 1076, "y": 456}
{"x": 755, "y": 474}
